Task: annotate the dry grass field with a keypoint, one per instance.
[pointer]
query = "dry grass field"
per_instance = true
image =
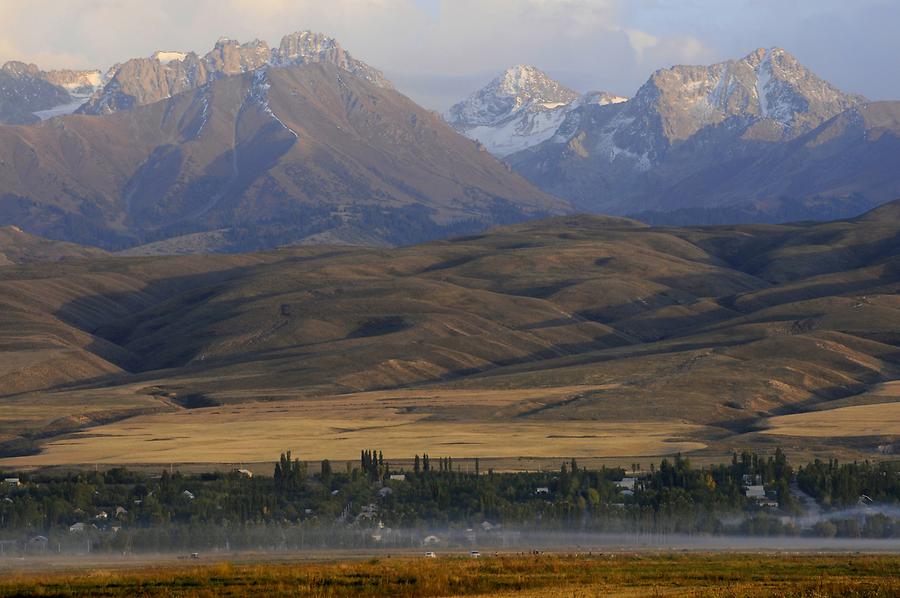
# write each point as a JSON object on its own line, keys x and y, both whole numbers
{"x": 401, "y": 423}
{"x": 862, "y": 420}
{"x": 691, "y": 575}
{"x": 876, "y": 414}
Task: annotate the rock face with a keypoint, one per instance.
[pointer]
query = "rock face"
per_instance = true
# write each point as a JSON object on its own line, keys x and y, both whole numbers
{"x": 306, "y": 47}
{"x": 143, "y": 81}
{"x": 700, "y": 138}
{"x": 28, "y": 94}
{"x": 519, "y": 109}
{"x": 258, "y": 159}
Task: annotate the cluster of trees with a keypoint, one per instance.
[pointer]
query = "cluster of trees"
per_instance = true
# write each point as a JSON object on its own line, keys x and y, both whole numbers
{"x": 673, "y": 496}
{"x": 372, "y": 463}
{"x": 290, "y": 475}
{"x": 847, "y": 484}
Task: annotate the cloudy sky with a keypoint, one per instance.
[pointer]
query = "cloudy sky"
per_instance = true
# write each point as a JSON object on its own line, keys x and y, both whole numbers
{"x": 438, "y": 51}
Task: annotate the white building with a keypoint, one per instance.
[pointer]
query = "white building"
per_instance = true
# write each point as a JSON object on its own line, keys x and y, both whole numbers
{"x": 626, "y": 483}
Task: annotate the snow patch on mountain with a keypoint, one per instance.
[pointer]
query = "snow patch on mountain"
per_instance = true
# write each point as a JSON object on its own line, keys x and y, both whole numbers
{"x": 166, "y": 57}
{"x": 61, "y": 109}
{"x": 259, "y": 93}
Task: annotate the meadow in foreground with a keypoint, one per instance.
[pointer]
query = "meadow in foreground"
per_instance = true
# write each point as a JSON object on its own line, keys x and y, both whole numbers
{"x": 738, "y": 575}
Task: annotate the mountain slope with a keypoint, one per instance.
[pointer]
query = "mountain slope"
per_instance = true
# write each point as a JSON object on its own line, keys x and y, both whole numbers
{"x": 272, "y": 156}
{"x": 720, "y": 328}
{"x": 517, "y": 110}
{"x": 730, "y": 141}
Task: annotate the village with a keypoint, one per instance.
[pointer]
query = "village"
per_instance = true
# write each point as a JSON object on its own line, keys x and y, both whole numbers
{"x": 434, "y": 506}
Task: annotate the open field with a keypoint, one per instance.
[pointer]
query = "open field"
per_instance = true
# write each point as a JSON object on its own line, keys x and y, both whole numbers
{"x": 698, "y": 575}
{"x": 401, "y": 423}
{"x": 861, "y": 420}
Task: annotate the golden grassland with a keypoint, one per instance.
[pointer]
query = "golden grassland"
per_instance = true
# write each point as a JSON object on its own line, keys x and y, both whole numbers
{"x": 861, "y": 420}
{"x": 398, "y": 422}
{"x": 697, "y": 575}
{"x": 878, "y": 418}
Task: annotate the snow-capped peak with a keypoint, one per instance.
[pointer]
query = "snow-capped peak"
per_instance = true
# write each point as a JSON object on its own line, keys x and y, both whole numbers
{"x": 518, "y": 109}
{"x": 518, "y": 88}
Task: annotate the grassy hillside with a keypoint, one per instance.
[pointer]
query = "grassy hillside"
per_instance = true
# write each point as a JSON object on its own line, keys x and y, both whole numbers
{"x": 577, "y": 335}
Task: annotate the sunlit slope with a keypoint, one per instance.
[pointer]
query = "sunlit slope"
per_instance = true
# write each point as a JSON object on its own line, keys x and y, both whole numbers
{"x": 720, "y": 327}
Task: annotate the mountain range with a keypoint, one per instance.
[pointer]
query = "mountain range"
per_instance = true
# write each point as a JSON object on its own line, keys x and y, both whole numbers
{"x": 300, "y": 144}
{"x": 761, "y": 138}
{"x": 250, "y": 146}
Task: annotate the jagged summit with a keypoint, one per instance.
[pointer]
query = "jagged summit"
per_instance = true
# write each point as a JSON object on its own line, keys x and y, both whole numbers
{"x": 518, "y": 88}
{"x": 518, "y": 109}
{"x": 165, "y": 73}
{"x": 768, "y": 83}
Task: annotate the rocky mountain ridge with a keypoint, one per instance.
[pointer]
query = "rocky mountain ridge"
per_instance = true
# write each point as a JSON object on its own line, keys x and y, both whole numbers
{"x": 141, "y": 81}
{"x": 702, "y": 141}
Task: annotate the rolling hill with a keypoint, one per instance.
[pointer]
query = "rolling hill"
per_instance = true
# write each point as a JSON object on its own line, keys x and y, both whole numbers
{"x": 570, "y": 332}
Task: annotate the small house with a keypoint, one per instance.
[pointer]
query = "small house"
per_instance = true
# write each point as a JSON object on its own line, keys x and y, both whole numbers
{"x": 626, "y": 484}
{"x": 76, "y": 528}
{"x": 398, "y": 477}
{"x": 756, "y": 492}
{"x": 188, "y": 495}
